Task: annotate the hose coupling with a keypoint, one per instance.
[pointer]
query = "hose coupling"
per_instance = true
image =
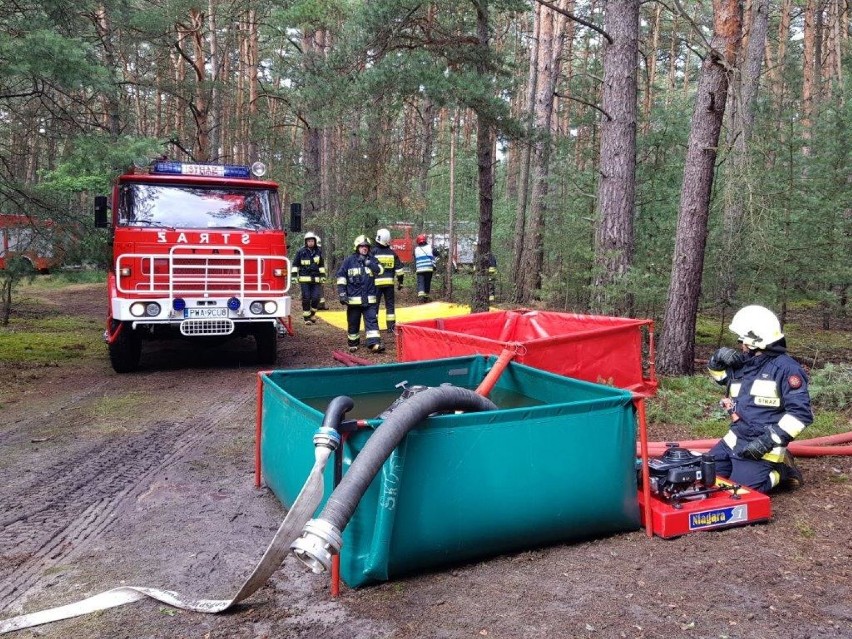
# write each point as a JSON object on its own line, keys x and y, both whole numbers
{"x": 319, "y": 541}
{"x": 328, "y": 437}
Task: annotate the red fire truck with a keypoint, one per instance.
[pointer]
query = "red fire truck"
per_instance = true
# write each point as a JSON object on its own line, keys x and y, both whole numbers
{"x": 199, "y": 252}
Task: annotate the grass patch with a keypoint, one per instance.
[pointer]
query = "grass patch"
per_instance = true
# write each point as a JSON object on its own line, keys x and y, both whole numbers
{"x": 63, "y": 279}
{"x": 689, "y": 400}
{"x": 50, "y": 340}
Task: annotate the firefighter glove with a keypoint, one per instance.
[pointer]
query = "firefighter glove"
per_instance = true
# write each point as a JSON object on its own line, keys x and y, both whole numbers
{"x": 399, "y": 283}
{"x": 757, "y": 448}
{"x": 725, "y": 358}
{"x": 342, "y": 299}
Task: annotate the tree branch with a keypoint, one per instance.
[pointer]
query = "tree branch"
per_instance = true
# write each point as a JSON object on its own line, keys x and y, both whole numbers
{"x": 588, "y": 104}
{"x": 570, "y": 15}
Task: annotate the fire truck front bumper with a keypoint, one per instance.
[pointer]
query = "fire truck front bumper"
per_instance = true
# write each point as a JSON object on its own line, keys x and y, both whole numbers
{"x": 202, "y": 316}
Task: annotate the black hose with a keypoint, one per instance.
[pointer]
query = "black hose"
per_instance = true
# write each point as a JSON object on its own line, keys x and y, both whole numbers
{"x": 336, "y": 410}
{"x": 343, "y": 501}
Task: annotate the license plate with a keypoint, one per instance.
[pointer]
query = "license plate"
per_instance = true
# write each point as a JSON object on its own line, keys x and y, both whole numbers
{"x": 204, "y": 312}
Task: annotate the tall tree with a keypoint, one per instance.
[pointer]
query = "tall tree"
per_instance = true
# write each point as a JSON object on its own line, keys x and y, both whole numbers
{"x": 742, "y": 104}
{"x": 485, "y": 165}
{"x": 677, "y": 345}
{"x": 551, "y": 39}
{"x": 614, "y": 242}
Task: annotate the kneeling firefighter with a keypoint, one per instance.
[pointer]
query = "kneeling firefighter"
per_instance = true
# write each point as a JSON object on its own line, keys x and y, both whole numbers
{"x": 356, "y": 289}
{"x": 767, "y": 399}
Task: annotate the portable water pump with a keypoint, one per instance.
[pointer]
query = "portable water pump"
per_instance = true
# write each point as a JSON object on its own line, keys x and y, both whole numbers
{"x": 686, "y": 495}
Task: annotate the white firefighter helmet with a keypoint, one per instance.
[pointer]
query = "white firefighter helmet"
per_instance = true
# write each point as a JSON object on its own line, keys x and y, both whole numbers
{"x": 383, "y": 237}
{"x": 361, "y": 240}
{"x": 311, "y": 236}
{"x": 756, "y": 326}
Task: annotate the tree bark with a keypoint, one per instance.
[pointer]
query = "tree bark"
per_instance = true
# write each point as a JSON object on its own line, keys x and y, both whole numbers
{"x": 485, "y": 171}
{"x": 524, "y": 153}
{"x": 677, "y": 345}
{"x": 549, "y": 59}
{"x": 614, "y": 241}
{"x": 743, "y": 96}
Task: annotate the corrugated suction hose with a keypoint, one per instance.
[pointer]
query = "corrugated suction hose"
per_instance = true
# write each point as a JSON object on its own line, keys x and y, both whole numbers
{"x": 321, "y": 537}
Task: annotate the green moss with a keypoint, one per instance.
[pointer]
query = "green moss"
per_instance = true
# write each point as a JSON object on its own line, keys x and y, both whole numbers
{"x": 50, "y": 340}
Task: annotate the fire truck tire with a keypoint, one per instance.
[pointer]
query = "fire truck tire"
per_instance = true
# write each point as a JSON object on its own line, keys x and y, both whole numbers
{"x": 266, "y": 338}
{"x": 125, "y": 351}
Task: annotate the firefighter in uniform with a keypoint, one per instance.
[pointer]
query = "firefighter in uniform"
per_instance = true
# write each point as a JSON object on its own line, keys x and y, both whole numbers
{"x": 767, "y": 399}
{"x": 322, "y": 305}
{"x": 424, "y": 266}
{"x": 392, "y": 266}
{"x": 356, "y": 289}
{"x": 492, "y": 276}
{"x": 309, "y": 270}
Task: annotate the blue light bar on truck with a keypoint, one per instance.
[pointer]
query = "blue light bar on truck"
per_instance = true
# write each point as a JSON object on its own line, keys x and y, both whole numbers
{"x": 202, "y": 170}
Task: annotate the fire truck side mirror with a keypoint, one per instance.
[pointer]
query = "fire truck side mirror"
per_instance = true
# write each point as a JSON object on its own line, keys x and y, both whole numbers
{"x": 101, "y": 209}
{"x": 295, "y": 217}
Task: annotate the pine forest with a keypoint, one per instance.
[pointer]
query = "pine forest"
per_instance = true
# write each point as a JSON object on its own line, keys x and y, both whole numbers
{"x": 655, "y": 159}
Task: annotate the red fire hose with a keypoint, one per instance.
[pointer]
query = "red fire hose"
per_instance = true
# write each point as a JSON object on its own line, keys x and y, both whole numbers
{"x": 837, "y": 445}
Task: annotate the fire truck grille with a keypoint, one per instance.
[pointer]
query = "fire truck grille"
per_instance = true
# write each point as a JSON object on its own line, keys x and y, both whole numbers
{"x": 193, "y": 327}
{"x": 189, "y": 271}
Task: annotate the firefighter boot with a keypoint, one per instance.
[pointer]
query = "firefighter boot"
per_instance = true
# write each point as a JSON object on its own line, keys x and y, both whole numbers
{"x": 378, "y": 347}
{"x": 791, "y": 476}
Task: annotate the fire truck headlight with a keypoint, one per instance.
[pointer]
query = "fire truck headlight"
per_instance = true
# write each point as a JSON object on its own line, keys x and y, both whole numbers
{"x": 137, "y": 309}
{"x": 258, "y": 169}
{"x": 234, "y": 304}
{"x": 178, "y": 304}
{"x": 270, "y": 307}
{"x": 152, "y": 309}
{"x": 278, "y": 272}
{"x": 256, "y": 308}
{"x": 124, "y": 272}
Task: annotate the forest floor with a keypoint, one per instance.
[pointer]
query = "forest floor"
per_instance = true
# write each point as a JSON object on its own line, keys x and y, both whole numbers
{"x": 148, "y": 479}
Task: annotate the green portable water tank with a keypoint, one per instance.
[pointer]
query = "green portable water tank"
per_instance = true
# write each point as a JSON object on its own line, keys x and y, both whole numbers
{"x": 466, "y": 486}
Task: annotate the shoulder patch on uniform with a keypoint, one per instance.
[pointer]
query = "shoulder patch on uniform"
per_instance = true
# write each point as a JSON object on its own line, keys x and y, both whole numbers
{"x": 794, "y": 381}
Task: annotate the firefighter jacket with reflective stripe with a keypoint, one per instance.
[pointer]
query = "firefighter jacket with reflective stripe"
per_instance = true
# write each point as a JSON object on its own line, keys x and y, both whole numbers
{"x": 492, "y": 265}
{"x": 770, "y": 396}
{"x": 424, "y": 261}
{"x": 308, "y": 265}
{"x": 391, "y": 264}
{"x": 356, "y": 279}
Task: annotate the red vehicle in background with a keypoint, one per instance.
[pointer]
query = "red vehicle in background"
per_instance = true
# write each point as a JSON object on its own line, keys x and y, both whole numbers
{"x": 31, "y": 239}
{"x": 403, "y": 246}
{"x": 199, "y": 252}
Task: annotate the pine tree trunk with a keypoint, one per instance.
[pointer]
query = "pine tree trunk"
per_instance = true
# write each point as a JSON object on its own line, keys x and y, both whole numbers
{"x": 743, "y": 96}
{"x": 550, "y": 52}
{"x": 485, "y": 170}
{"x": 524, "y": 153}
{"x": 614, "y": 240}
{"x": 677, "y": 345}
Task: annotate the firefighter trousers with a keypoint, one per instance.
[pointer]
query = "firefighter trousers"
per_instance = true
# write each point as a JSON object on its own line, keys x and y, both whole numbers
{"x": 354, "y": 313}
{"x": 311, "y": 294}
{"x": 389, "y": 296}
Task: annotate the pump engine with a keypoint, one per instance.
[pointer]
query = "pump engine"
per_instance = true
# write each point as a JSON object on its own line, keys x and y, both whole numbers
{"x": 681, "y": 474}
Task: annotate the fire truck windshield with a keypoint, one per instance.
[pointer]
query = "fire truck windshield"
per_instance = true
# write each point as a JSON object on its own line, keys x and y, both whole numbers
{"x": 198, "y": 207}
